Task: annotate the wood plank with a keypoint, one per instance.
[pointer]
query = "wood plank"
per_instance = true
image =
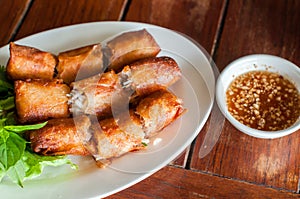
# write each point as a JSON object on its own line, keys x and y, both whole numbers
{"x": 173, "y": 182}
{"x": 269, "y": 162}
{"x": 270, "y": 27}
{"x": 44, "y": 14}
{"x": 11, "y": 15}
{"x": 181, "y": 160}
{"x": 197, "y": 19}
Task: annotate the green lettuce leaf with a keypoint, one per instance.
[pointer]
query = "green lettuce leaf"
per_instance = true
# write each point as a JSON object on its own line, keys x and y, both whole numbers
{"x": 6, "y": 87}
{"x": 20, "y": 163}
{"x": 32, "y": 165}
{"x": 17, "y": 173}
{"x": 17, "y": 161}
{"x": 35, "y": 163}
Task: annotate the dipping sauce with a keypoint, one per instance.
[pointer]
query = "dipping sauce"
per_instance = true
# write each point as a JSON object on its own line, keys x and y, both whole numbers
{"x": 263, "y": 100}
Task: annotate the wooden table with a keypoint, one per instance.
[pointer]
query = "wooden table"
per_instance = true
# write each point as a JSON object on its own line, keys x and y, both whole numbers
{"x": 239, "y": 166}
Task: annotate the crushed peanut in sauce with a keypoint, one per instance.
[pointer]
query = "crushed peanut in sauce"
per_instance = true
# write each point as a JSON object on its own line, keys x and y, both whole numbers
{"x": 263, "y": 100}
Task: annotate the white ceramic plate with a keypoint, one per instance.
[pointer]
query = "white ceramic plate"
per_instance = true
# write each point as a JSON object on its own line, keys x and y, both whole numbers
{"x": 196, "y": 88}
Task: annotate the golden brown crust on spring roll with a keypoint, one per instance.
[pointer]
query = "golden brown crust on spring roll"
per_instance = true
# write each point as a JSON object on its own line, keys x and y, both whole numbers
{"x": 30, "y": 63}
{"x": 129, "y": 47}
{"x": 80, "y": 63}
{"x": 93, "y": 95}
{"x": 39, "y": 100}
{"x": 152, "y": 114}
{"x": 61, "y": 137}
{"x": 115, "y": 137}
{"x": 158, "y": 110}
{"x": 153, "y": 73}
{"x": 143, "y": 77}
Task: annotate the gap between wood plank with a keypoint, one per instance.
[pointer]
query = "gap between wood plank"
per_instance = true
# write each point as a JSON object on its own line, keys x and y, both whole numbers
{"x": 216, "y": 40}
{"x": 20, "y": 22}
{"x": 244, "y": 181}
{"x": 220, "y": 26}
{"x": 124, "y": 10}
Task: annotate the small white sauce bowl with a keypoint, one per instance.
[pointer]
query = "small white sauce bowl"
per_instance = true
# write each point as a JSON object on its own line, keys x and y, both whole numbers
{"x": 254, "y": 63}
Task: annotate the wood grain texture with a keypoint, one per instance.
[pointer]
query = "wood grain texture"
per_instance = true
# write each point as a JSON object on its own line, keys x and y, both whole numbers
{"x": 181, "y": 160}
{"x": 197, "y": 19}
{"x": 254, "y": 26}
{"x": 273, "y": 163}
{"x": 11, "y": 15}
{"x": 173, "y": 182}
{"x": 239, "y": 165}
{"x": 270, "y": 27}
{"x": 44, "y": 14}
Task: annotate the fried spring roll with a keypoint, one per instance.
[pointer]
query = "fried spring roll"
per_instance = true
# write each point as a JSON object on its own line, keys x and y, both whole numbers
{"x": 152, "y": 114}
{"x": 94, "y": 95}
{"x": 30, "y": 63}
{"x": 129, "y": 47}
{"x": 61, "y": 136}
{"x": 158, "y": 110}
{"x": 80, "y": 63}
{"x": 151, "y": 74}
{"x": 39, "y": 100}
{"x": 109, "y": 138}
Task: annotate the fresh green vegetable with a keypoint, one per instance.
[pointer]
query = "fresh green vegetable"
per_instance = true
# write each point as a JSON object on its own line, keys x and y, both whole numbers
{"x": 22, "y": 128}
{"x": 17, "y": 161}
{"x": 6, "y": 88}
{"x": 145, "y": 144}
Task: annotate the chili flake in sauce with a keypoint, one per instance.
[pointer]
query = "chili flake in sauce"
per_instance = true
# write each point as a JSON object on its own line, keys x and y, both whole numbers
{"x": 263, "y": 100}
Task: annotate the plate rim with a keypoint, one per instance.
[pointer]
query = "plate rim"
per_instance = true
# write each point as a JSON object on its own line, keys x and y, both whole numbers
{"x": 135, "y": 25}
